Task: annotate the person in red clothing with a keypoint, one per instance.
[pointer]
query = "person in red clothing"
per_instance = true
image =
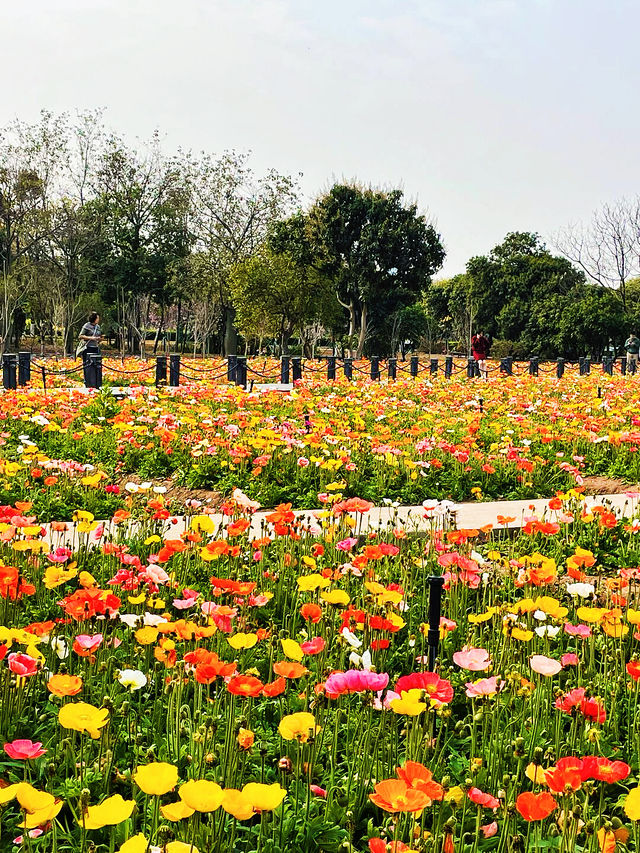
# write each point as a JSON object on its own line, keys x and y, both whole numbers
{"x": 480, "y": 346}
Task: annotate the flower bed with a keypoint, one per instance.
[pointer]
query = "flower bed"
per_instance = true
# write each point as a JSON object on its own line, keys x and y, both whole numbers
{"x": 211, "y": 693}
{"x": 407, "y": 441}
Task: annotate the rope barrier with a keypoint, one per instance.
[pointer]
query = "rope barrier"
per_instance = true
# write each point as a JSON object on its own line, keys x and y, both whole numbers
{"x": 63, "y": 372}
{"x": 127, "y": 372}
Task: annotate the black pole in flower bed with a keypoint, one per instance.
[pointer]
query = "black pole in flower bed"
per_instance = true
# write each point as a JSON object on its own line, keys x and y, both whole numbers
{"x": 436, "y": 584}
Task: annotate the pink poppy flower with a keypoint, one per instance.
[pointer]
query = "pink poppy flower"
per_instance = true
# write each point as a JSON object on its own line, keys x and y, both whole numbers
{"x": 183, "y": 603}
{"x": 489, "y": 829}
{"x": 347, "y": 544}
{"x": 583, "y": 631}
{"x": 472, "y": 659}
{"x": 23, "y": 749}
{"x": 318, "y": 791}
{"x": 313, "y": 647}
{"x": 544, "y": 665}
{"x": 33, "y": 833}
{"x": 21, "y": 664}
{"x": 354, "y": 681}
{"x": 569, "y": 659}
{"x": 484, "y": 688}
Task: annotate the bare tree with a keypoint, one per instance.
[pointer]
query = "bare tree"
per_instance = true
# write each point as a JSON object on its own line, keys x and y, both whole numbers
{"x": 231, "y": 214}
{"x": 607, "y": 249}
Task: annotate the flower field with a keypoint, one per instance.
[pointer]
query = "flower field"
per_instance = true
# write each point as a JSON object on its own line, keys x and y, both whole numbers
{"x": 515, "y": 437}
{"x": 217, "y": 691}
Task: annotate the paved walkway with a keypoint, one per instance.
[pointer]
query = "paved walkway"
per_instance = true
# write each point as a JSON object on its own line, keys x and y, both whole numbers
{"x": 412, "y": 518}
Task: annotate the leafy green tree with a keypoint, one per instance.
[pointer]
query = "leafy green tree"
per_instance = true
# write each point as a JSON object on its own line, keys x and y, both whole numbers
{"x": 375, "y": 249}
{"x": 274, "y": 296}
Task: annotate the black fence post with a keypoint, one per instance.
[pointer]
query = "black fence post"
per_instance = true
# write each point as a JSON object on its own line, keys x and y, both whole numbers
{"x": 88, "y": 370}
{"x": 43, "y": 369}
{"x": 174, "y": 370}
{"x": 296, "y": 365}
{"x": 161, "y": 370}
{"x": 581, "y": 366}
{"x": 471, "y": 368}
{"x": 241, "y": 371}
{"x": 433, "y": 367}
{"x": 375, "y": 367}
{"x": 348, "y": 368}
{"x": 413, "y": 366}
{"x": 560, "y": 368}
{"x": 587, "y": 366}
{"x": 9, "y": 371}
{"x": 232, "y": 360}
{"x": 284, "y": 370}
{"x": 506, "y": 366}
{"x": 436, "y": 584}
{"x": 24, "y": 368}
{"x": 97, "y": 369}
{"x": 392, "y": 367}
{"x": 448, "y": 366}
{"x": 623, "y": 365}
{"x": 533, "y": 366}
{"x": 331, "y": 367}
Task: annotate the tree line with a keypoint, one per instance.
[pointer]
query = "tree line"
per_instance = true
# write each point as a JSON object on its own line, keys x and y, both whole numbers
{"x": 198, "y": 252}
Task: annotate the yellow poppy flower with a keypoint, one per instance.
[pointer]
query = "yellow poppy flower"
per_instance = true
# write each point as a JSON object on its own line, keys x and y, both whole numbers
{"x": 82, "y": 717}
{"x": 201, "y": 795}
{"x": 298, "y": 726}
{"x": 176, "y": 811}
{"x": 137, "y": 844}
{"x": 292, "y": 649}
{"x": 235, "y": 803}
{"x": 242, "y": 641}
{"x": 309, "y": 583}
{"x": 112, "y": 811}
{"x": 157, "y": 778}
{"x": 335, "y": 596}
{"x": 264, "y": 798}
{"x": 409, "y": 703}
{"x": 31, "y": 799}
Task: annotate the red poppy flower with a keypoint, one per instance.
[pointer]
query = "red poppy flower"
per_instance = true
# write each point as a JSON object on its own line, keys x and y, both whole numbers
{"x": 535, "y": 806}
{"x": 438, "y": 689}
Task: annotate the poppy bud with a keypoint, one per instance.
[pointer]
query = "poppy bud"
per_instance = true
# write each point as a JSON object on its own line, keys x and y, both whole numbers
{"x": 577, "y": 811}
{"x": 164, "y": 835}
{"x": 589, "y": 827}
{"x": 285, "y": 765}
{"x": 616, "y": 823}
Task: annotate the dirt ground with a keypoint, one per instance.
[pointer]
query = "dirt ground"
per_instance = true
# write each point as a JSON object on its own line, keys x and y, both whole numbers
{"x": 608, "y": 486}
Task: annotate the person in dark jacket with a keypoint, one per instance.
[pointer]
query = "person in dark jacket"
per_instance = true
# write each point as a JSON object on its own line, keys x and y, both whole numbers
{"x": 480, "y": 346}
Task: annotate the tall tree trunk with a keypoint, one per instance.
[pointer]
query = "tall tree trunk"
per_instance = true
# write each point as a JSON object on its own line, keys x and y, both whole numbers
{"x": 230, "y": 333}
{"x": 363, "y": 331}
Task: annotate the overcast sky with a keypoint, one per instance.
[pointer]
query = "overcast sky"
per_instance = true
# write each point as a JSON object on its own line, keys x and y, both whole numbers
{"x": 495, "y": 115}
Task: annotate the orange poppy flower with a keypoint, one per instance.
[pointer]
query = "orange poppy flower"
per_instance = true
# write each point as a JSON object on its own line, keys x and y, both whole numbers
{"x": 245, "y": 685}
{"x": 311, "y": 613}
{"x": 394, "y": 795}
{"x": 416, "y": 775}
{"x": 289, "y": 669}
{"x": 238, "y": 527}
{"x": 64, "y": 685}
{"x": 274, "y": 688}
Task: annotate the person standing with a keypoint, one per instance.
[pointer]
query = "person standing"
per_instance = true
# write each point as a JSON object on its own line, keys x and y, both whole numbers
{"x": 480, "y": 346}
{"x": 632, "y": 346}
{"x": 90, "y": 337}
